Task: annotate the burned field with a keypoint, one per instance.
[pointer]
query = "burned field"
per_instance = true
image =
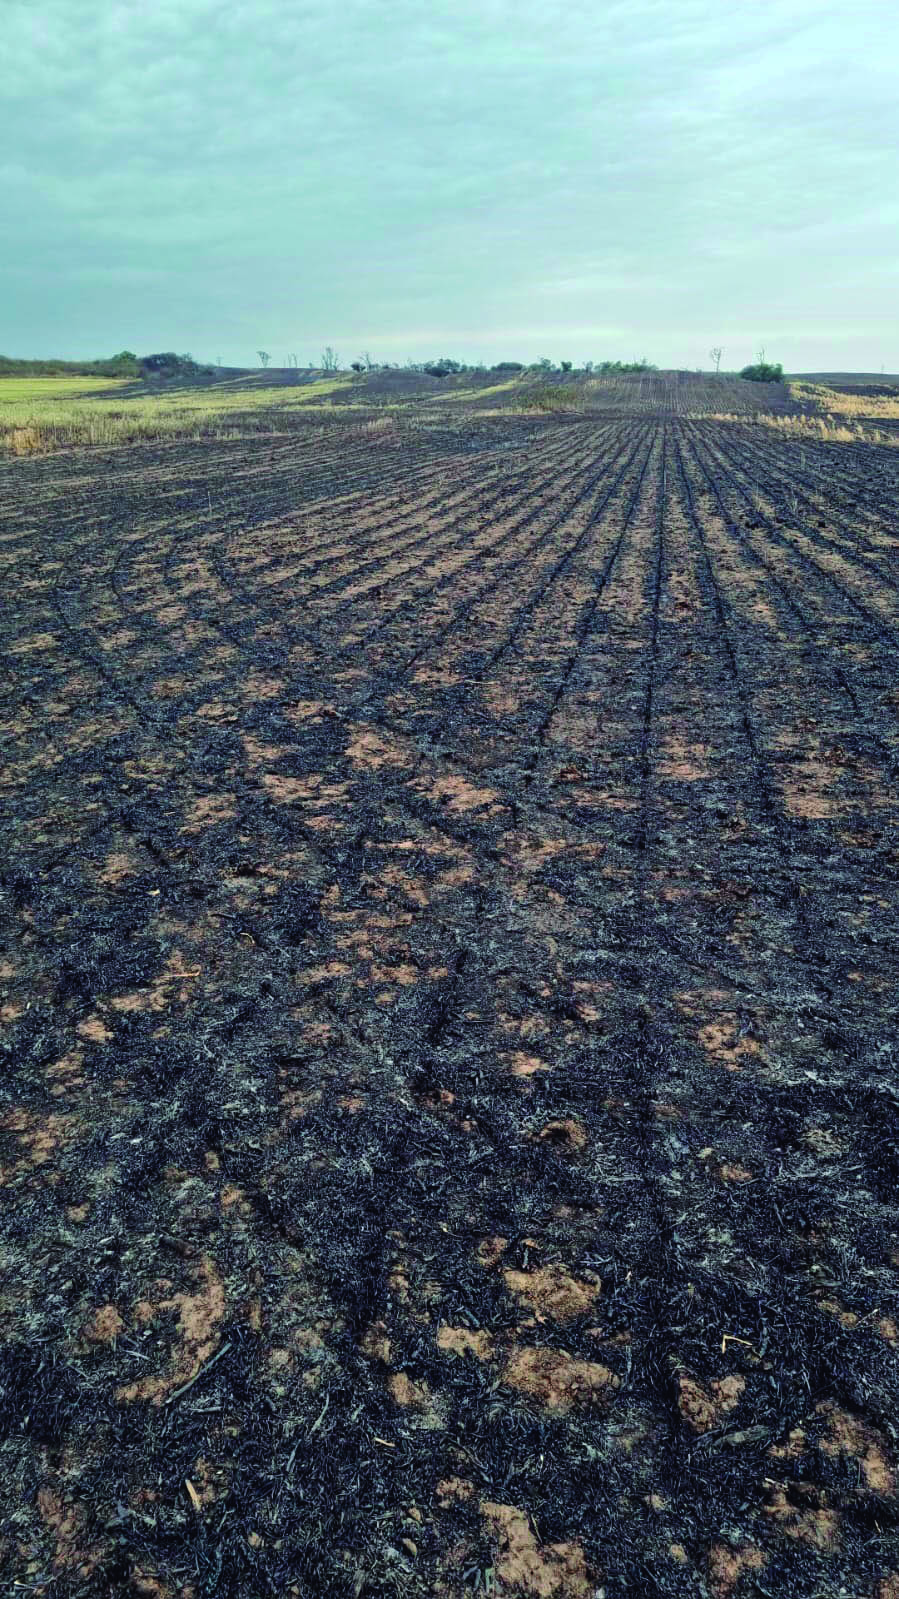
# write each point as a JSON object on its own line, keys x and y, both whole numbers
{"x": 450, "y": 1132}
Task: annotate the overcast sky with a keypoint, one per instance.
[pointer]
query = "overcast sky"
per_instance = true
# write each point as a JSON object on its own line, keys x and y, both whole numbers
{"x": 479, "y": 178}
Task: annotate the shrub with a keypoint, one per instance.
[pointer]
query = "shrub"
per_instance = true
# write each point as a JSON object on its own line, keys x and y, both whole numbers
{"x": 763, "y": 372}
{"x": 617, "y": 368}
{"x": 166, "y": 364}
{"x": 123, "y": 365}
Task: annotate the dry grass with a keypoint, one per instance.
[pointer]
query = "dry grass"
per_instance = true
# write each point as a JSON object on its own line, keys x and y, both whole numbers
{"x": 833, "y": 402}
{"x": 379, "y": 424}
{"x": 24, "y": 441}
{"x": 826, "y": 429}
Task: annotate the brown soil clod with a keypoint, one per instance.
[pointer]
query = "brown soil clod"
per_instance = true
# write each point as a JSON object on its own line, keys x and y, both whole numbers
{"x": 705, "y": 1407}
{"x": 552, "y": 1292}
{"x": 557, "y": 1381}
{"x": 525, "y": 1567}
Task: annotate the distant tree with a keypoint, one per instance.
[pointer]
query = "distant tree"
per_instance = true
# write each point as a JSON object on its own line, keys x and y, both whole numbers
{"x": 508, "y": 366}
{"x": 330, "y": 360}
{"x": 441, "y": 368}
{"x": 125, "y": 365}
{"x": 616, "y": 368}
{"x": 716, "y": 353}
{"x": 566, "y": 366}
{"x": 763, "y": 370}
{"x": 357, "y": 366}
{"x": 166, "y": 364}
{"x": 367, "y": 361}
{"x": 544, "y": 364}
{"x": 588, "y": 367}
{"x": 264, "y": 357}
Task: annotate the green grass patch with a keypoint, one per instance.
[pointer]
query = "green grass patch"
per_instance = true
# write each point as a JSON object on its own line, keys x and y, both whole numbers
{"x": 45, "y": 413}
{"x": 24, "y": 391}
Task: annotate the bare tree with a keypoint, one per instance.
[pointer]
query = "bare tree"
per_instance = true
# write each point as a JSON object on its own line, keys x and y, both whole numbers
{"x": 330, "y": 360}
{"x": 264, "y": 357}
{"x": 716, "y": 353}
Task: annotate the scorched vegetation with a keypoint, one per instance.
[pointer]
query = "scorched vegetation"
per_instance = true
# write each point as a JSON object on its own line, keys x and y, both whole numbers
{"x": 449, "y": 1132}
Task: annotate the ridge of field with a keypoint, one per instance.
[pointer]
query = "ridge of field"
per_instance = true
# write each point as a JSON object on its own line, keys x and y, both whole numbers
{"x": 449, "y": 1136}
{"x": 853, "y": 380}
{"x": 40, "y": 414}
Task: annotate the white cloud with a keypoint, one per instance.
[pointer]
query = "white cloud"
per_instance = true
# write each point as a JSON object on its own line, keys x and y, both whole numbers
{"x": 643, "y": 165}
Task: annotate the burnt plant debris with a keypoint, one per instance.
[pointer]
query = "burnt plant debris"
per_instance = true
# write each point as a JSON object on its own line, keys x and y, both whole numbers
{"x": 449, "y": 1130}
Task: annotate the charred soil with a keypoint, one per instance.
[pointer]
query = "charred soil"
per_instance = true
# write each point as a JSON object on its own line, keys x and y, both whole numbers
{"x": 449, "y": 1131}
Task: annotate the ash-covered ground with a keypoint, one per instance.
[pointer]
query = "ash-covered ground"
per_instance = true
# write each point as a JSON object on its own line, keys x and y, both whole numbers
{"x": 449, "y": 1132}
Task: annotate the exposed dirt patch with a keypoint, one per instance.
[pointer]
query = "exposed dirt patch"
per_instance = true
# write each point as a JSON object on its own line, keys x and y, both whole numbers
{"x": 209, "y": 811}
{"x": 793, "y": 1512}
{"x": 458, "y": 796}
{"x": 705, "y": 1407}
{"x": 728, "y": 1044}
{"x": 522, "y": 1566}
{"x": 847, "y": 1436}
{"x": 103, "y": 1326}
{"x": 94, "y": 1030}
{"x": 684, "y": 762}
{"x": 198, "y": 1314}
{"x": 557, "y": 1381}
{"x": 65, "y": 1522}
{"x": 566, "y": 1136}
{"x": 728, "y": 1566}
{"x": 465, "y": 1341}
{"x": 370, "y": 751}
{"x": 551, "y": 1291}
{"x": 523, "y": 1065}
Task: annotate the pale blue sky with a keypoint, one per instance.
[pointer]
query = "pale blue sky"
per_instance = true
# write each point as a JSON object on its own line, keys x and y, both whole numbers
{"x": 480, "y": 178}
